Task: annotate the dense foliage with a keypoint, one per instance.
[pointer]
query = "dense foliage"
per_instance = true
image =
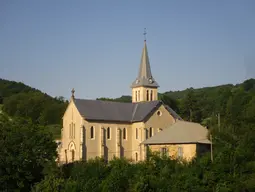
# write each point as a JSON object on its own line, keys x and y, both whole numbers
{"x": 24, "y": 153}
{"x": 228, "y": 111}
{"x": 20, "y": 100}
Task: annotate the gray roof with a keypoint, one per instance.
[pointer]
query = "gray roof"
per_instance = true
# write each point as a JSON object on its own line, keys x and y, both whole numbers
{"x": 144, "y": 77}
{"x": 179, "y": 133}
{"x": 116, "y": 111}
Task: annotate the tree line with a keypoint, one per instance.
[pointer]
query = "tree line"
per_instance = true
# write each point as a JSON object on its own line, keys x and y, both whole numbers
{"x": 28, "y": 152}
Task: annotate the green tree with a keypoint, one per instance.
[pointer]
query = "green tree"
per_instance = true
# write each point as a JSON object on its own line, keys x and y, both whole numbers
{"x": 190, "y": 108}
{"x": 170, "y": 102}
{"x": 25, "y": 151}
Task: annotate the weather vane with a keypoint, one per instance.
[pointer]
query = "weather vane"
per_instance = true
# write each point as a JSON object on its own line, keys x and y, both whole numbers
{"x": 144, "y": 33}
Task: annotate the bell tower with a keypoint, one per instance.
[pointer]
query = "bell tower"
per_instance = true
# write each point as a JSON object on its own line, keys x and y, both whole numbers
{"x": 144, "y": 88}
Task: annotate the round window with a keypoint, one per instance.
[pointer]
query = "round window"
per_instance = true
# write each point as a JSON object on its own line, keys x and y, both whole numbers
{"x": 159, "y": 113}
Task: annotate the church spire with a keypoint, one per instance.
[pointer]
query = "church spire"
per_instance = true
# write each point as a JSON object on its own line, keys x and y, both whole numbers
{"x": 144, "y": 78}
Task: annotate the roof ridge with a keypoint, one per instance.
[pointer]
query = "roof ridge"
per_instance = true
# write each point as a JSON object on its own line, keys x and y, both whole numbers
{"x": 133, "y": 114}
{"x": 172, "y": 111}
{"x": 102, "y": 101}
{"x": 191, "y": 122}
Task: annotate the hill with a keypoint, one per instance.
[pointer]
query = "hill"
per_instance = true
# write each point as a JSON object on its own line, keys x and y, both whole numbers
{"x": 20, "y": 100}
{"x": 204, "y": 104}
{"x": 247, "y": 85}
{"x": 198, "y": 105}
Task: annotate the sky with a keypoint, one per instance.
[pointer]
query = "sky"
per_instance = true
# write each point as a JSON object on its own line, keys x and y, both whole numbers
{"x": 95, "y": 46}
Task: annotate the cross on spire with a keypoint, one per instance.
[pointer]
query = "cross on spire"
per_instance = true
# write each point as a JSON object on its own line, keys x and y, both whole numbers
{"x": 73, "y": 92}
{"x": 144, "y": 34}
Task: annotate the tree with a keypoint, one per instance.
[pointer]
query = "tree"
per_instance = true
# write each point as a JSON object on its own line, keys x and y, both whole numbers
{"x": 189, "y": 107}
{"x": 25, "y": 151}
{"x": 169, "y": 101}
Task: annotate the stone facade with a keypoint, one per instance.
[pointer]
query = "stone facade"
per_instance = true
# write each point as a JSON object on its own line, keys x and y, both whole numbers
{"x": 180, "y": 151}
{"x": 83, "y": 140}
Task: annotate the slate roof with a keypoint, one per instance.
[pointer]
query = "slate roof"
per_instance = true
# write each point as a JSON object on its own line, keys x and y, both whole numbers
{"x": 145, "y": 77}
{"x": 117, "y": 111}
{"x": 179, "y": 133}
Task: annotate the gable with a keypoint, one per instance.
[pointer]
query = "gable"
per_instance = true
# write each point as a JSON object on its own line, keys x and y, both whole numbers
{"x": 160, "y": 118}
{"x": 167, "y": 111}
{"x": 71, "y": 108}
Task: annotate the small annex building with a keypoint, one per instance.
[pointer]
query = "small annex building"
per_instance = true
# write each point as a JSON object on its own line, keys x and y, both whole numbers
{"x": 181, "y": 140}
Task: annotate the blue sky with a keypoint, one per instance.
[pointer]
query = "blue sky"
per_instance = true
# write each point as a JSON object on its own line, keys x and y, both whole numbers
{"x": 95, "y": 46}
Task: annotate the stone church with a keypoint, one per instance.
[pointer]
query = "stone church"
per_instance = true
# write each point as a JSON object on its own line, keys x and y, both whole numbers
{"x": 94, "y": 128}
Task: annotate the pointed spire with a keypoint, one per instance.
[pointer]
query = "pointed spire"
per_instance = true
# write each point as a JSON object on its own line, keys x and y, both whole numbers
{"x": 145, "y": 68}
{"x": 144, "y": 77}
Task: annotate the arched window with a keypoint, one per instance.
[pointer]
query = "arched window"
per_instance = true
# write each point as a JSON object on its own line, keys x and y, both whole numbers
{"x": 136, "y": 156}
{"x": 147, "y": 95}
{"x": 138, "y": 95}
{"x": 151, "y": 95}
{"x": 135, "y": 95}
{"x": 108, "y": 133}
{"x": 151, "y": 132}
{"x": 92, "y": 132}
{"x": 136, "y": 133}
{"x": 124, "y": 133}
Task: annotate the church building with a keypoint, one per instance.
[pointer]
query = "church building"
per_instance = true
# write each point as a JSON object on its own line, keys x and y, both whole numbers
{"x": 107, "y": 129}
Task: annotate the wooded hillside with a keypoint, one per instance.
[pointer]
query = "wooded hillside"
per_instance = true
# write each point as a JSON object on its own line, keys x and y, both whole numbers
{"x": 20, "y": 100}
{"x": 27, "y": 158}
{"x": 199, "y": 105}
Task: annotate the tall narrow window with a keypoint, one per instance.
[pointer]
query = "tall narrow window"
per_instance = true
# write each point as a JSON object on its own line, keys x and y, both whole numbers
{"x": 136, "y": 156}
{"x": 73, "y": 131}
{"x": 180, "y": 152}
{"x": 135, "y": 95}
{"x": 92, "y": 132}
{"x": 151, "y": 132}
{"x": 70, "y": 131}
{"x": 136, "y": 133}
{"x": 108, "y": 133}
{"x": 151, "y": 95}
{"x": 138, "y": 95}
{"x": 124, "y": 133}
{"x": 73, "y": 153}
{"x": 147, "y": 95}
{"x": 163, "y": 151}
